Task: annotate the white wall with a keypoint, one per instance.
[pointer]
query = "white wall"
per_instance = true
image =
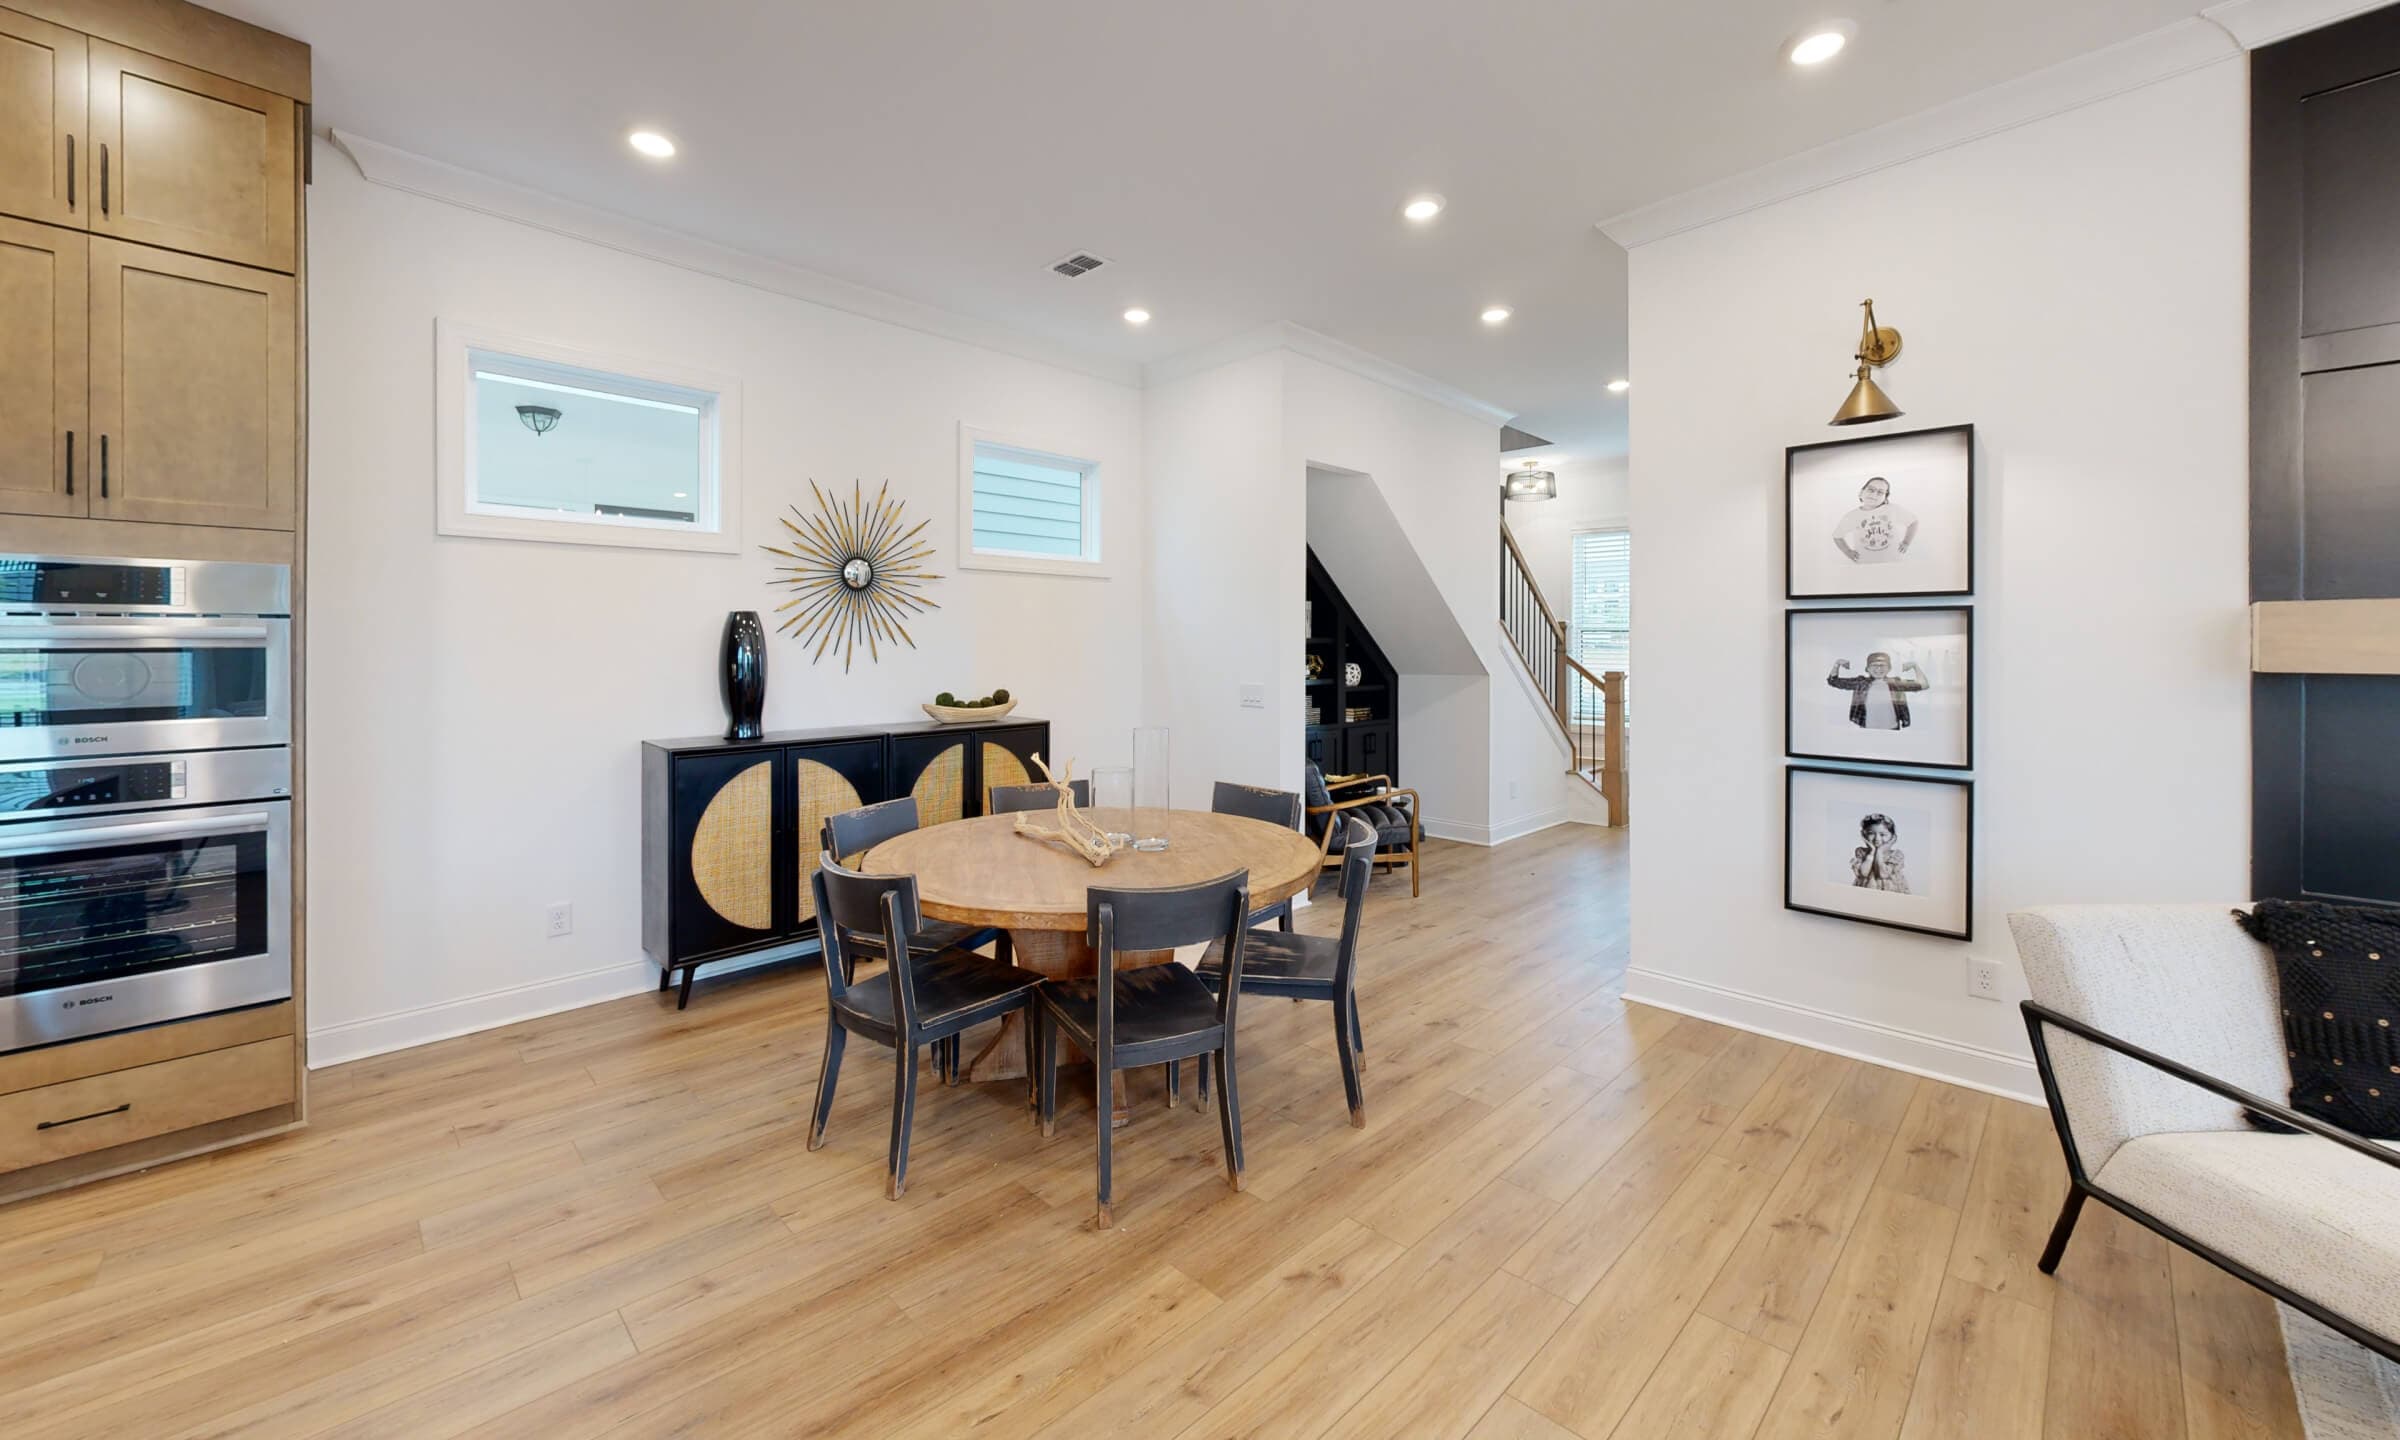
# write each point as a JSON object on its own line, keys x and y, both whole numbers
{"x": 2077, "y": 289}
{"x": 1592, "y": 495}
{"x": 476, "y": 707}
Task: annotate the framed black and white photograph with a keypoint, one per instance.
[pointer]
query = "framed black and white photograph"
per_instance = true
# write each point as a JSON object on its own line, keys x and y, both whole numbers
{"x": 1891, "y": 850}
{"x": 1891, "y": 685}
{"x": 1886, "y": 515}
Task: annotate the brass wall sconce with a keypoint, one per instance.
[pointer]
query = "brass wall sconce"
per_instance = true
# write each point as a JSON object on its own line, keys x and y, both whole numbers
{"x": 1877, "y": 345}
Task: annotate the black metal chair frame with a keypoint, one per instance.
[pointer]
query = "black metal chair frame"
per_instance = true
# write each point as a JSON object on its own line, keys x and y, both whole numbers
{"x": 2080, "y": 1186}
{"x": 1152, "y": 920}
{"x": 871, "y": 825}
{"x": 1275, "y": 807}
{"x": 893, "y": 907}
{"x": 1349, "y": 1040}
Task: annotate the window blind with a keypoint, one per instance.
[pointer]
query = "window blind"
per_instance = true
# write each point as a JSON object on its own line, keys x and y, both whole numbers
{"x": 1023, "y": 507}
{"x": 1601, "y": 610}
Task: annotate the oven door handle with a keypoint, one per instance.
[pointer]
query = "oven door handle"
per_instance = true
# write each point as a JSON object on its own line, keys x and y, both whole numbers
{"x": 47, "y": 839}
{"x": 197, "y": 633}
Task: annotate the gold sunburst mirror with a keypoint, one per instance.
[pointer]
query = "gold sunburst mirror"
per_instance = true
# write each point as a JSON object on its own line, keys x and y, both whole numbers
{"x": 855, "y": 574}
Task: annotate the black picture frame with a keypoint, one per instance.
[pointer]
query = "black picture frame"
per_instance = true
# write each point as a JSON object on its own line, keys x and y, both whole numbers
{"x": 1793, "y": 452}
{"x": 1966, "y": 930}
{"x": 1792, "y": 619}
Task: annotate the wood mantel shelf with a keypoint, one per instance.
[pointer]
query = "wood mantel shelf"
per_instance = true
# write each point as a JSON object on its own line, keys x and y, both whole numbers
{"x": 2325, "y": 637}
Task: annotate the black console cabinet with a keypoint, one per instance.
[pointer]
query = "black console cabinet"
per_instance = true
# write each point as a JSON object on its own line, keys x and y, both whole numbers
{"x": 730, "y": 827}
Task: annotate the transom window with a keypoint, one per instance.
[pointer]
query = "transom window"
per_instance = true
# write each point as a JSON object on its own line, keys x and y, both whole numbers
{"x": 1027, "y": 509}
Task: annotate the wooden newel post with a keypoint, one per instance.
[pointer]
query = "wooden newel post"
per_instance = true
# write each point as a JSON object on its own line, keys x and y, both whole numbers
{"x": 1612, "y": 745}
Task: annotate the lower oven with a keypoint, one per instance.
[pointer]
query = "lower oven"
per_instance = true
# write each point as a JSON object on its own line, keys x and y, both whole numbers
{"x": 142, "y": 890}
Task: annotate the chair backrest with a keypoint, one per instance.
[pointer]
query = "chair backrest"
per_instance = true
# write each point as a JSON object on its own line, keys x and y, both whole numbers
{"x": 1009, "y": 799}
{"x": 1196, "y": 914}
{"x": 849, "y": 903}
{"x": 853, "y": 833}
{"x": 1358, "y": 864}
{"x": 1276, "y": 807}
{"x": 2183, "y": 981}
{"x": 1314, "y": 790}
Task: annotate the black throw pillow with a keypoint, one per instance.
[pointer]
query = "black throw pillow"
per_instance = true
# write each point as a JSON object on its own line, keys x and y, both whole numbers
{"x": 2338, "y": 969}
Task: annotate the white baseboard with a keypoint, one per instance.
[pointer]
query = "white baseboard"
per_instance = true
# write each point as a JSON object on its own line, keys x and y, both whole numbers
{"x": 406, "y": 1029}
{"x": 1990, "y": 1071}
{"x": 1500, "y": 834}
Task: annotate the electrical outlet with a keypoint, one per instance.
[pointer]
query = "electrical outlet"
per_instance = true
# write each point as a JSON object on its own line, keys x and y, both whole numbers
{"x": 1254, "y": 697}
{"x": 561, "y": 919}
{"x": 1983, "y": 979}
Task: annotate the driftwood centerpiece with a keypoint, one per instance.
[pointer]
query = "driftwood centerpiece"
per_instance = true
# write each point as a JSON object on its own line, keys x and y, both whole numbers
{"x": 1074, "y": 830}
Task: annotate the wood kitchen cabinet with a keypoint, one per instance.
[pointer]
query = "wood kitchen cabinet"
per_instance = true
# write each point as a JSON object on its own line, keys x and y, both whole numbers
{"x": 190, "y": 161}
{"x": 42, "y": 357}
{"x": 43, "y": 149}
{"x": 194, "y": 389}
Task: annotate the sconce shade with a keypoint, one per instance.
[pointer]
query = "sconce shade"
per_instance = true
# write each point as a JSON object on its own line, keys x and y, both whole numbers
{"x": 1867, "y": 403}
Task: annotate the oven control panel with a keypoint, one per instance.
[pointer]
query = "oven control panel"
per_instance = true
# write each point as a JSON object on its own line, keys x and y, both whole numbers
{"x": 37, "y": 791}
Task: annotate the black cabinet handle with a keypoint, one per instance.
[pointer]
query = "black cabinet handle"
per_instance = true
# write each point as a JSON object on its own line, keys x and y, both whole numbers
{"x": 70, "y": 462}
{"x": 104, "y": 177}
{"x": 70, "y": 172}
{"x": 79, "y": 1119}
{"x": 104, "y": 467}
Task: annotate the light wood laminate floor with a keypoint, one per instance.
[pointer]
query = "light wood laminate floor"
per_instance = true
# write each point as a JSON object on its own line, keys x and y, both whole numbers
{"x": 1567, "y": 1217}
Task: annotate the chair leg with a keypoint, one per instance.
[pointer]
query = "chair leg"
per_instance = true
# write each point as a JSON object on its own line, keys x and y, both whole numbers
{"x": 957, "y": 1062}
{"x": 1049, "y": 1086}
{"x": 1229, "y": 1116}
{"x": 1033, "y": 1063}
{"x": 2057, "y": 1248}
{"x": 1202, "y": 1067}
{"x": 827, "y": 1078}
{"x": 1174, "y": 1082}
{"x": 904, "y": 1109}
{"x": 1358, "y": 1036}
{"x": 1106, "y": 1216}
{"x": 1415, "y": 847}
{"x": 1004, "y": 950}
{"x": 1283, "y": 921}
{"x": 1344, "y": 1043}
{"x": 683, "y": 997}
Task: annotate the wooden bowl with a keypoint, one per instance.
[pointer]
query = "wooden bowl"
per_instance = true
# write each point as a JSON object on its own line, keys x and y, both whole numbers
{"x": 961, "y": 714}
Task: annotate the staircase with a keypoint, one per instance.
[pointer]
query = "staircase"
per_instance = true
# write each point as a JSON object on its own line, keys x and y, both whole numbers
{"x": 1588, "y": 708}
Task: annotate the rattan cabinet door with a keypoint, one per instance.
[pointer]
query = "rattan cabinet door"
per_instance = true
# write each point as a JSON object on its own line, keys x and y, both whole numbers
{"x": 724, "y": 852}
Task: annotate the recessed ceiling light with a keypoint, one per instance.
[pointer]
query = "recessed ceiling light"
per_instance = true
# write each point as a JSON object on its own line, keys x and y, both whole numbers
{"x": 1137, "y": 316}
{"x": 1423, "y": 208}
{"x": 1495, "y": 314}
{"x": 679, "y": 495}
{"x": 652, "y": 144}
{"x": 1619, "y": 387}
{"x": 1819, "y": 43}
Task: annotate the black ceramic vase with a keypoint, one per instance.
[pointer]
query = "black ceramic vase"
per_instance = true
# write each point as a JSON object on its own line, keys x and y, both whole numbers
{"x": 743, "y": 678}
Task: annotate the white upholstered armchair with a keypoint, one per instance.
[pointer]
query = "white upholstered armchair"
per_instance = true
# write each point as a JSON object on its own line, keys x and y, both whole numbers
{"x": 2154, "y": 1028}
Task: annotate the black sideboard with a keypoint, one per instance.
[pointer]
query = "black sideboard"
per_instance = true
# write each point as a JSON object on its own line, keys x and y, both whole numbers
{"x": 730, "y": 827}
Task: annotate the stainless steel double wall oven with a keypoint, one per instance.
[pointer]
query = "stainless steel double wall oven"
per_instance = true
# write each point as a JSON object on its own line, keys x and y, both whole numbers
{"x": 145, "y": 793}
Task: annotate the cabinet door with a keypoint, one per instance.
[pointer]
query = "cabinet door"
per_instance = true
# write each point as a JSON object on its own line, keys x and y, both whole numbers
{"x": 824, "y": 780}
{"x": 723, "y": 848}
{"x": 194, "y": 392}
{"x": 44, "y": 150}
{"x": 934, "y": 766}
{"x": 192, "y": 161}
{"x": 1368, "y": 751}
{"x": 1005, "y": 757}
{"x": 45, "y": 443}
{"x": 1323, "y": 749}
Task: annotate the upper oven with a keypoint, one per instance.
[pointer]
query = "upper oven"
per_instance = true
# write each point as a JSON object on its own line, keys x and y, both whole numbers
{"x": 118, "y": 657}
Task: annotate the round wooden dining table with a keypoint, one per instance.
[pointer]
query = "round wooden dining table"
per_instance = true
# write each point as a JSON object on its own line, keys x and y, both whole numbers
{"x": 980, "y": 872}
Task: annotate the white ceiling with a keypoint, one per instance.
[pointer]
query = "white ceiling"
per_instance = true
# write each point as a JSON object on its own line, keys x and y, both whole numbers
{"x": 1240, "y": 161}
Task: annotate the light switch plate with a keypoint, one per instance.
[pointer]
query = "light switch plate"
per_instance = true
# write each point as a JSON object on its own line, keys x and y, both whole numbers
{"x": 1254, "y": 697}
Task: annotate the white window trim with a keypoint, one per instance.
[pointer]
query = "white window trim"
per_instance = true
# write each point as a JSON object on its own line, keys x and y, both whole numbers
{"x": 454, "y": 467}
{"x": 1094, "y": 565}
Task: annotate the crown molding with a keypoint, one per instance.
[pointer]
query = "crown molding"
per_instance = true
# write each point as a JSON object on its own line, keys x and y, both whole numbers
{"x": 415, "y": 174}
{"x": 1300, "y": 340}
{"x": 2253, "y": 23}
{"x": 2162, "y": 54}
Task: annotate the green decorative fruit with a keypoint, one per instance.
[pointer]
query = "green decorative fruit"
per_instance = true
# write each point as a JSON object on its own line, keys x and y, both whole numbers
{"x": 945, "y": 698}
{"x": 1000, "y": 697}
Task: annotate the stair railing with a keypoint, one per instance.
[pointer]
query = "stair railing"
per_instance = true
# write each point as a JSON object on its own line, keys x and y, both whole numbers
{"x": 1595, "y": 732}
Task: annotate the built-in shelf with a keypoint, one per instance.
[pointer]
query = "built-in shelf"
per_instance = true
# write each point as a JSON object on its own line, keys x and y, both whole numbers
{"x": 1336, "y": 743}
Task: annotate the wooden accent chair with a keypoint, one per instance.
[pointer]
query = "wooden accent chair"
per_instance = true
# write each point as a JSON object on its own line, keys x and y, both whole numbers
{"x": 853, "y": 833}
{"x": 925, "y": 1000}
{"x": 1012, "y": 799}
{"x": 1153, "y": 1014}
{"x": 1395, "y": 814}
{"x": 1276, "y": 807}
{"x": 1315, "y": 967}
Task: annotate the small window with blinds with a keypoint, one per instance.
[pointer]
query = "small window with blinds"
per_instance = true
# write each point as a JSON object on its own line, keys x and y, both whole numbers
{"x": 1028, "y": 509}
{"x": 1601, "y": 612}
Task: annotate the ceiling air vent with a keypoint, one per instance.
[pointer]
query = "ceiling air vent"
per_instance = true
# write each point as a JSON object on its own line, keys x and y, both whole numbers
{"x": 1079, "y": 263}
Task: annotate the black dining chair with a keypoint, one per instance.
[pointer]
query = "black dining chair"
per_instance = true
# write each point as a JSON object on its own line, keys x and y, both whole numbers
{"x": 1154, "y": 1014}
{"x": 921, "y": 999}
{"x": 852, "y": 833}
{"x": 1009, "y": 799}
{"x": 1276, "y": 807}
{"x": 1314, "y": 967}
